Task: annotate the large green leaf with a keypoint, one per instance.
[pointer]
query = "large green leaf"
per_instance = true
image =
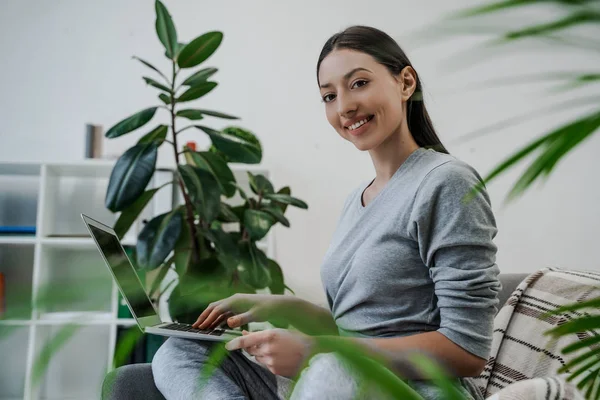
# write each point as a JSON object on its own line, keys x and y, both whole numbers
{"x": 195, "y": 92}
{"x": 130, "y": 214}
{"x": 277, "y": 285}
{"x": 285, "y": 199}
{"x": 157, "y": 239}
{"x": 227, "y": 214}
{"x": 200, "y": 76}
{"x": 158, "y": 134}
{"x": 258, "y": 223}
{"x": 260, "y": 184}
{"x": 218, "y": 167}
{"x": 156, "y": 84}
{"x": 203, "y": 190}
{"x": 252, "y": 269}
{"x": 165, "y": 29}
{"x": 163, "y": 270}
{"x": 227, "y": 243}
{"x": 131, "y": 123}
{"x": 52, "y": 346}
{"x": 199, "y": 49}
{"x": 130, "y": 176}
{"x": 236, "y": 149}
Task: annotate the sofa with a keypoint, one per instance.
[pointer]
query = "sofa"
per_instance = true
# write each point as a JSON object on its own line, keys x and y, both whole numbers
{"x": 512, "y": 340}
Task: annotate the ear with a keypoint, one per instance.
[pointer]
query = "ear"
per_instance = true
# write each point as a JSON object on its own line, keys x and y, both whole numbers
{"x": 407, "y": 78}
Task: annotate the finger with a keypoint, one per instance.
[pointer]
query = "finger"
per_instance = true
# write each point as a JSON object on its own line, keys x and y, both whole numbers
{"x": 220, "y": 319}
{"x": 204, "y": 314}
{"x": 252, "y": 339}
{"x": 245, "y": 332}
{"x": 214, "y": 314}
{"x": 241, "y": 319}
{"x": 254, "y": 350}
{"x": 264, "y": 360}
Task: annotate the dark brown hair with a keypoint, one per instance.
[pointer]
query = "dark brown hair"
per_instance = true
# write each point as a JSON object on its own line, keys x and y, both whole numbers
{"x": 388, "y": 53}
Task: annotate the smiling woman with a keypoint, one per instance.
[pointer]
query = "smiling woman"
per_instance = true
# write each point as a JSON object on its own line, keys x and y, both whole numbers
{"x": 410, "y": 268}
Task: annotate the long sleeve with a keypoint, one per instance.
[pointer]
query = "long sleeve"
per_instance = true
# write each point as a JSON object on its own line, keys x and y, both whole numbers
{"x": 455, "y": 239}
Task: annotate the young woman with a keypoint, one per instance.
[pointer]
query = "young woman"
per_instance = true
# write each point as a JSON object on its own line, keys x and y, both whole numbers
{"x": 411, "y": 266}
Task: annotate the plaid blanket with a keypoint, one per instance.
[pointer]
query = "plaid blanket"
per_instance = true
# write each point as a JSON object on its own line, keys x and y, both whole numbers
{"x": 523, "y": 362}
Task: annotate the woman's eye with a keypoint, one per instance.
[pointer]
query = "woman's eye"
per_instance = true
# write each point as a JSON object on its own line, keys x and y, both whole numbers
{"x": 328, "y": 97}
{"x": 359, "y": 83}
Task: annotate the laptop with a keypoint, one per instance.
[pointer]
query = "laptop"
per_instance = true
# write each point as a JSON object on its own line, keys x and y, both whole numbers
{"x": 133, "y": 292}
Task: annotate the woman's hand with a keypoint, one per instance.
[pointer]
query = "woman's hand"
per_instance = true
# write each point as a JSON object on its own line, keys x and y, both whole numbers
{"x": 239, "y": 309}
{"x": 282, "y": 351}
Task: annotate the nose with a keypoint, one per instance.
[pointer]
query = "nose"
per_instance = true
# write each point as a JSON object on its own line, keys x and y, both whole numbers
{"x": 346, "y": 105}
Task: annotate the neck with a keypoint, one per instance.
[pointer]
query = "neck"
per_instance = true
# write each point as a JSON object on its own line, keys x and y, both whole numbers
{"x": 390, "y": 155}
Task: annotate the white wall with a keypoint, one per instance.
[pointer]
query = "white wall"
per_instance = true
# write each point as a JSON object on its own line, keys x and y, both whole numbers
{"x": 66, "y": 63}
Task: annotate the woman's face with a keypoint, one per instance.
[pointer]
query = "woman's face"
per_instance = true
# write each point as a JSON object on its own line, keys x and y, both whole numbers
{"x": 363, "y": 100}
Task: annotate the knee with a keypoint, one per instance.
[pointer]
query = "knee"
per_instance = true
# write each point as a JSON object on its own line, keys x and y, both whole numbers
{"x": 175, "y": 354}
{"x": 326, "y": 377}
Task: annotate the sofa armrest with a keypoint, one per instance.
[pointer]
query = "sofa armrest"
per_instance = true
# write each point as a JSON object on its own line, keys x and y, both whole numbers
{"x": 131, "y": 382}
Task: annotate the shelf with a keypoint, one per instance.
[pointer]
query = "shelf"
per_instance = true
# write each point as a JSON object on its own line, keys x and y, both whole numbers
{"x": 15, "y": 322}
{"x": 79, "y": 318}
{"x": 17, "y": 239}
{"x": 27, "y": 169}
{"x": 85, "y": 242}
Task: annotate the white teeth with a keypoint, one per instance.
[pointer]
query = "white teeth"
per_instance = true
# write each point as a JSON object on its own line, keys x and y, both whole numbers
{"x": 358, "y": 124}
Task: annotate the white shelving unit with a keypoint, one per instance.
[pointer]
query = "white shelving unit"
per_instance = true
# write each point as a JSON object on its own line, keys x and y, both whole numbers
{"x": 63, "y": 258}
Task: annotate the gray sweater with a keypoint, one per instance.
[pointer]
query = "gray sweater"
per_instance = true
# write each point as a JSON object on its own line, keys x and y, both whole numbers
{"x": 417, "y": 258}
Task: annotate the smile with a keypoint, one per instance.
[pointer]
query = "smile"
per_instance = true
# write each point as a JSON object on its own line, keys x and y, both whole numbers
{"x": 360, "y": 126}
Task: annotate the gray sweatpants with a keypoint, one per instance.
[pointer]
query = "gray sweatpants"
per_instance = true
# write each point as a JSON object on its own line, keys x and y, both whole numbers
{"x": 177, "y": 364}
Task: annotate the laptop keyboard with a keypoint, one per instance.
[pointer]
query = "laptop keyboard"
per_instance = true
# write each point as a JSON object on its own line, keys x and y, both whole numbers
{"x": 189, "y": 328}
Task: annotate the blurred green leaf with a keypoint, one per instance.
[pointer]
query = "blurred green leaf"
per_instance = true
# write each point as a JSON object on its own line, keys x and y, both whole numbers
{"x": 165, "y": 29}
{"x": 580, "y": 324}
{"x": 576, "y": 18}
{"x": 125, "y": 345}
{"x": 147, "y": 64}
{"x": 592, "y": 303}
{"x": 218, "y": 167}
{"x": 370, "y": 367}
{"x": 431, "y": 369}
{"x": 195, "y": 92}
{"x": 236, "y": 149}
{"x": 157, "y": 239}
{"x": 260, "y": 184}
{"x": 285, "y": 199}
{"x": 155, "y": 84}
{"x": 131, "y": 213}
{"x": 158, "y": 134}
{"x": 216, "y": 114}
{"x": 190, "y": 114}
{"x": 204, "y": 191}
{"x": 277, "y": 285}
{"x": 258, "y": 223}
{"x": 200, "y": 76}
{"x": 588, "y": 342}
{"x": 130, "y": 176}
{"x": 508, "y": 4}
{"x": 51, "y": 347}
{"x": 199, "y": 49}
{"x": 217, "y": 354}
{"x": 563, "y": 140}
{"x": 131, "y": 123}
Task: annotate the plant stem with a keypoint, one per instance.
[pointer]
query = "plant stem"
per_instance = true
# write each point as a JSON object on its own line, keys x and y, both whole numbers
{"x": 188, "y": 203}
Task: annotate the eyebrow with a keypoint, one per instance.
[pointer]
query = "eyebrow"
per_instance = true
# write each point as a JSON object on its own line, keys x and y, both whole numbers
{"x": 347, "y": 76}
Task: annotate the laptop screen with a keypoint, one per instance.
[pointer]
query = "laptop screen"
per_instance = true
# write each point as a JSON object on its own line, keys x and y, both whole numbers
{"x": 124, "y": 272}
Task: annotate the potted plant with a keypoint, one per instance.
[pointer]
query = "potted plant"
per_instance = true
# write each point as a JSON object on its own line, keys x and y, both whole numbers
{"x": 209, "y": 243}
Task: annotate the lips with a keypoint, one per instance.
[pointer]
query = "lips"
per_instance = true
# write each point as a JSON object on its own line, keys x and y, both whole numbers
{"x": 362, "y": 128}
{"x": 354, "y": 121}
